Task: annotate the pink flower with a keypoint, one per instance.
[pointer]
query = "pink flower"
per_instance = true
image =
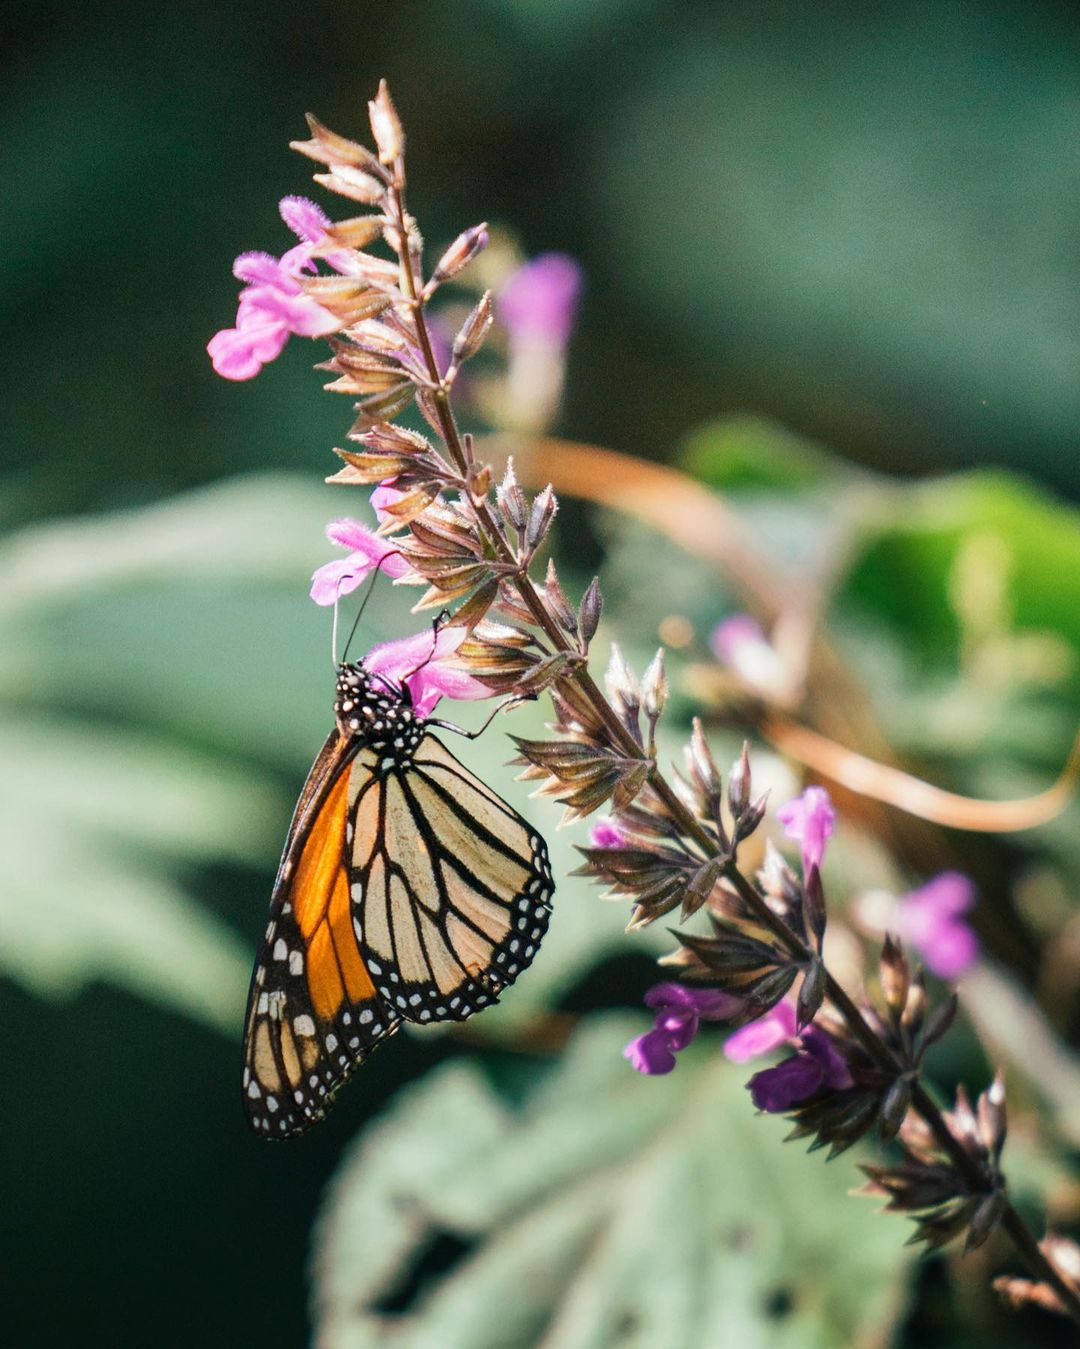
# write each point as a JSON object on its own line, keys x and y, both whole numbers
{"x": 386, "y": 494}
{"x": 816, "y": 1063}
{"x": 768, "y": 1032}
{"x": 272, "y": 304}
{"x": 607, "y": 834}
{"x": 740, "y": 644}
{"x": 809, "y": 821}
{"x": 424, "y": 663}
{"x": 366, "y": 552}
{"x": 929, "y": 918}
{"x": 680, "y": 1011}
{"x": 539, "y": 301}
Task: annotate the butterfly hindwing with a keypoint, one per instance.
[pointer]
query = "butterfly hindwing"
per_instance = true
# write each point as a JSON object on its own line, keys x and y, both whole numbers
{"x": 451, "y": 888}
{"x": 313, "y": 1013}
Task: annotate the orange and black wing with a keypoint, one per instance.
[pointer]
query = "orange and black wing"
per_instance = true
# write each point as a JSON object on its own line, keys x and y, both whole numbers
{"x": 451, "y": 888}
{"x": 313, "y": 1012}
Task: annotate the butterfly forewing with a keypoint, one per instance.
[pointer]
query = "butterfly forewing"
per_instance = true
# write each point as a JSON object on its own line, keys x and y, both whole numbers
{"x": 408, "y": 890}
{"x": 451, "y": 888}
{"x": 313, "y": 1013}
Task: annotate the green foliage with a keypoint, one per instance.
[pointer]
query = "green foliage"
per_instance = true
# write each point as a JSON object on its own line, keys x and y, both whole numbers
{"x": 608, "y": 1209}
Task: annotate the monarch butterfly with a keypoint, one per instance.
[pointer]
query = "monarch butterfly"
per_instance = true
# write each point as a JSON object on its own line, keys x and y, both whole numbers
{"x": 407, "y": 891}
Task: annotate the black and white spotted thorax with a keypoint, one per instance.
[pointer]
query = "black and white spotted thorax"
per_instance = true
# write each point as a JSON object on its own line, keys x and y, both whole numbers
{"x": 379, "y": 713}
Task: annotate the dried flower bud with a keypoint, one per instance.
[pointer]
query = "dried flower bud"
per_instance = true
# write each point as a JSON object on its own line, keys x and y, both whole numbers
{"x": 811, "y": 994}
{"x": 386, "y": 125}
{"x": 985, "y": 1218}
{"x": 993, "y": 1121}
{"x": 814, "y": 905}
{"x": 751, "y": 817}
{"x": 654, "y": 688}
{"x": 738, "y": 787}
{"x": 777, "y": 879}
{"x": 352, "y": 183}
{"x": 511, "y": 499}
{"x": 557, "y": 603}
{"x": 327, "y": 147}
{"x": 542, "y": 514}
{"x": 703, "y": 765}
{"x": 700, "y": 886}
{"x": 458, "y": 256}
{"x": 592, "y": 604}
{"x": 474, "y": 330}
{"x": 357, "y": 232}
{"x": 895, "y": 974}
{"x": 894, "y": 1106}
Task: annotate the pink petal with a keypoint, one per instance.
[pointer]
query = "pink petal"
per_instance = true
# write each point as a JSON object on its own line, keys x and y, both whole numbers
{"x": 306, "y": 220}
{"x": 651, "y": 1053}
{"x": 607, "y": 834}
{"x": 240, "y": 353}
{"x": 712, "y": 1004}
{"x": 358, "y": 538}
{"x": 300, "y": 314}
{"x": 762, "y": 1036}
{"x": 337, "y": 578}
{"x": 422, "y": 663}
{"x": 778, "y": 1089}
{"x": 386, "y": 494}
{"x": 809, "y": 820}
{"x": 540, "y": 299}
{"x": 263, "y": 269}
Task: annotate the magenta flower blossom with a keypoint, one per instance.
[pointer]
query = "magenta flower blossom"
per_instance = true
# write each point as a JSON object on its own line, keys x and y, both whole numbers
{"x": 272, "y": 304}
{"x": 809, "y": 821}
{"x": 607, "y": 833}
{"x": 366, "y": 552}
{"x": 539, "y": 301}
{"x": 680, "y": 1011}
{"x": 425, "y": 665}
{"x": 777, "y": 1027}
{"x": 929, "y": 918}
{"x": 740, "y": 644}
{"x": 817, "y": 1063}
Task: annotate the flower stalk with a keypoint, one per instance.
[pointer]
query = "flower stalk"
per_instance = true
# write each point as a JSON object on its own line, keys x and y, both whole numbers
{"x": 673, "y": 843}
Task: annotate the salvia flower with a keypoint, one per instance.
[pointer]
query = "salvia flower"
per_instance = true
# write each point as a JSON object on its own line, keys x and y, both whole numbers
{"x": 777, "y": 1027}
{"x": 930, "y": 918}
{"x": 272, "y": 304}
{"x": 680, "y": 1010}
{"x": 809, "y": 821}
{"x": 426, "y": 665}
{"x": 366, "y": 552}
{"x": 740, "y": 644}
{"x": 607, "y": 833}
{"x": 539, "y": 300}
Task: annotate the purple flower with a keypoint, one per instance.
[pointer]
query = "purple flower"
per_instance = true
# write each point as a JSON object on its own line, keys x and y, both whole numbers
{"x": 929, "y": 918}
{"x": 777, "y": 1027}
{"x": 680, "y": 1010}
{"x": 366, "y": 552}
{"x": 740, "y": 644}
{"x": 817, "y": 1063}
{"x": 539, "y": 301}
{"x": 607, "y": 833}
{"x": 809, "y": 821}
{"x": 425, "y": 665}
{"x": 272, "y": 304}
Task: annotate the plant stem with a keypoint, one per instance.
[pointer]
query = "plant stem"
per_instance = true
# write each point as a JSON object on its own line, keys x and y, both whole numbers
{"x": 681, "y": 816}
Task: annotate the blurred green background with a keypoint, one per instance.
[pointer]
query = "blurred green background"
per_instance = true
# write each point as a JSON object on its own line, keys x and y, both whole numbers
{"x": 861, "y": 228}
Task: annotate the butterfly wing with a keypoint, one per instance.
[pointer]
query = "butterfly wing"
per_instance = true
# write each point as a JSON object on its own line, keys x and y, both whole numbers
{"x": 451, "y": 888}
{"x": 313, "y": 1012}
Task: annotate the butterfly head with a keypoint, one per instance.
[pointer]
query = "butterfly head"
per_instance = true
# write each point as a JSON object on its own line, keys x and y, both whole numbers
{"x": 382, "y": 713}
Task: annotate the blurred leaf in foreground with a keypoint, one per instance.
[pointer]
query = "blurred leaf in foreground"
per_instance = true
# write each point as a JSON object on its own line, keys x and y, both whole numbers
{"x": 607, "y": 1210}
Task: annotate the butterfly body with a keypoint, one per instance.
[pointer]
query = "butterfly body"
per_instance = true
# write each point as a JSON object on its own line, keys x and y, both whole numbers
{"x": 407, "y": 891}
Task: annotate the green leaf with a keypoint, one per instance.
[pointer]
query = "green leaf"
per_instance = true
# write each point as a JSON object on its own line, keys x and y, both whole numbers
{"x": 608, "y": 1209}
{"x": 737, "y": 453}
{"x": 86, "y": 820}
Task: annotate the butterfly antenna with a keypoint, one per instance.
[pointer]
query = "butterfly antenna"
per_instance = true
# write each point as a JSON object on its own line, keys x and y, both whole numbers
{"x": 363, "y": 605}
{"x": 440, "y": 620}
